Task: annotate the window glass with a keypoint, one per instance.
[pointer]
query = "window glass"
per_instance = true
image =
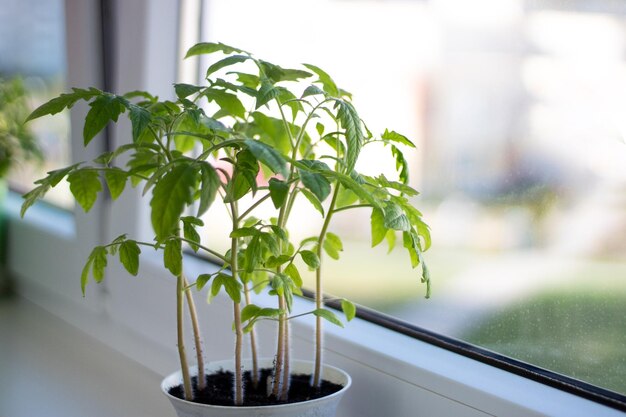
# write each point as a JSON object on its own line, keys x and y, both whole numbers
{"x": 32, "y": 48}
{"x": 518, "y": 110}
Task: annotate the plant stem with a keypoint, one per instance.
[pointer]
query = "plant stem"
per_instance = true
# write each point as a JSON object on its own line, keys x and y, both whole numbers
{"x": 180, "y": 286}
{"x": 253, "y": 206}
{"x": 204, "y": 248}
{"x": 319, "y": 296}
{"x": 280, "y": 351}
{"x": 337, "y": 210}
{"x": 255, "y": 363}
{"x": 236, "y": 311}
{"x": 238, "y": 348}
{"x": 196, "y": 336}
{"x": 285, "y": 390}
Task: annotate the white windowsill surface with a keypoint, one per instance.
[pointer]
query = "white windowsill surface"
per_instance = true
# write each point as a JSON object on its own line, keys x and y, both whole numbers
{"x": 50, "y": 368}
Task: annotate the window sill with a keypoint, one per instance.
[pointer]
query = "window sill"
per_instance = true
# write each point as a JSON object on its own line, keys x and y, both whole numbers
{"x": 50, "y": 368}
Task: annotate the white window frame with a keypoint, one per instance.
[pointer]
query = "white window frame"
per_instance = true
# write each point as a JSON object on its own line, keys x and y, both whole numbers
{"x": 393, "y": 374}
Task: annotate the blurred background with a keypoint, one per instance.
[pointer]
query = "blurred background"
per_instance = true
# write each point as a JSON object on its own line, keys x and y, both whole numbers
{"x": 518, "y": 111}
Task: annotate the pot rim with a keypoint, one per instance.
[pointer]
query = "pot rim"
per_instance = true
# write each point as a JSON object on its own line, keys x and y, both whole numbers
{"x": 215, "y": 365}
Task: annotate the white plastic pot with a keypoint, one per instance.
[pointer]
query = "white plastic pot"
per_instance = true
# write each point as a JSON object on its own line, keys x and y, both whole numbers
{"x": 319, "y": 407}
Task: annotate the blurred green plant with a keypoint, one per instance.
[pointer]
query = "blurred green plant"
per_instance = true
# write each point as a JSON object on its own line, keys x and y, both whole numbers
{"x": 17, "y": 143}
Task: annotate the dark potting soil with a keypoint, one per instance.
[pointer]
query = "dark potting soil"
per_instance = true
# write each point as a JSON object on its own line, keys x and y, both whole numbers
{"x": 219, "y": 389}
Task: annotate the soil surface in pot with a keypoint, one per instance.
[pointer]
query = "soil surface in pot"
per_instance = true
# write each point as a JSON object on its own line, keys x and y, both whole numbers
{"x": 219, "y": 389}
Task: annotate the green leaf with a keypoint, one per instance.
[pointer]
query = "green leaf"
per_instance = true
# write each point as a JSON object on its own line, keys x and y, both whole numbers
{"x": 32, "y": 196}
{"x": 409, "y": 242}
{"x": 310, "y": 258}
{"x": 314, "y": 181}
{"x": 328, "y": 84}
{"x": 320, "y": 128}
{"x": 426, "y": 278}
{"x": 170, "y": 196}
{"x": 287, "y": 98}
{"x": 395, "y": 218}
{"x": 173, "y": 256}
{"x": 191, "y": 234}
{"x": 129, "y": 256}
{"x": 85, "y": 186}
{"x": 253, "y": 313}
{"x": 346, "y": 197}
{"x": 104, "y": 108}
{"x": 278, "y": 191}
{"x": 202, "y": 280}
{"x": 349, "y": 183}
{"x": 233, "y": 288}
{"x": 253, "y": 254}
{"x": 226, "y": 62}
{"x": 271, "y": 131}
{"x": 140, "y": 119}
{"x": 327, "y": 315}
{"x": 96, "y": 262}
{"x": 116, "y": 181}
{"x": 104, "y": 158}
{"x": 377, "y": 220}
{"x": 332, "y": 245}
{"x": 399, "y": 186}
{"x": 211, "y": 47}
{"x": 210, "y": 185}
{"x": 185, "y": 90}
{"x": 293, "y": 272}
{"x": 249, "y": 311}
{"x": 142, "y": 94}
{"x": 55, "y": 177}
{"x": 315, "y": 202}
{"x": 280, "y": 233}
{"x": 248, "y": 80}
{"x": 268, "y": 156}
{"x": 402, "y": 166}
{"x": 390, "y": 236}
{"x": 274, "y": 261}
{"x": 351, "y": 122}
{"x": 266, "y": 93}
{"x": 348, "y": 308}
{"x": 312, "y": 90}
{"x": 244, "y": 177}
{"x": 244, "y": 232}
{"x": 62, "y": 102}
{"x": 84, "y": 276}
{"x": 393, "y": 136}
{"x": 270, "y": 242}
{"x": 226, "y": 101}
{"x": 157, "y": 175}
{"x": 192, "y": 220}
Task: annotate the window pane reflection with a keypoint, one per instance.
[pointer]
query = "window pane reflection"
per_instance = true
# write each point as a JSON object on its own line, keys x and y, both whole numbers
{"x": 32, "y": 47}
{"x": 518, "y": 109}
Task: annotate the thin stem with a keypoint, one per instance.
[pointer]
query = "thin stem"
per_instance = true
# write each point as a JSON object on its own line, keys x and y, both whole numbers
{"x": 286, "y": 123}
{"x": 337, "y": 210}
{"x": 284, "y": 394}
{"x": 196, "y": 335}
{"x": 238, "y": 349}
{"x": 204, "y": 248}
{"x": 280, "y": 351}
{"x": 255, "y": 364}
{"x": 166, "y": 151}
{"x": 253, "y": 206}
{"x": 236, "y": 311}
{"x": 319, "y": 295}
{"x": 220, "y": 145}
{"x": 188, "y": 392}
